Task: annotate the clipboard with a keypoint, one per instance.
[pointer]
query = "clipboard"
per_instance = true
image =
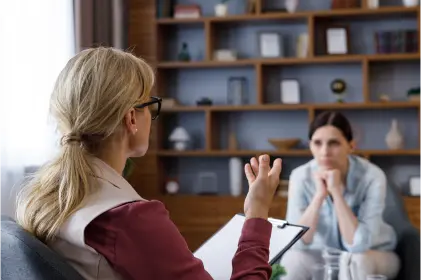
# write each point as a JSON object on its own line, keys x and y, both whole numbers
{"x": 219, "y": 250}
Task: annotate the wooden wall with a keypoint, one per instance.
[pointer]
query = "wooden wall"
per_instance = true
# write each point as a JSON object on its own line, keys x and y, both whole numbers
{"x": 141, "y": 42}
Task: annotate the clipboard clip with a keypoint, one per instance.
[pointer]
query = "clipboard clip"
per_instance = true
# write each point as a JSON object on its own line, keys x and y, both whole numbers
{"x": 278, "y": 223}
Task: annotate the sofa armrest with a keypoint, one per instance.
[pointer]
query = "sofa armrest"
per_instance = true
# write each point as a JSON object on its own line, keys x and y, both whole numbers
{"x": 408, "y": 250}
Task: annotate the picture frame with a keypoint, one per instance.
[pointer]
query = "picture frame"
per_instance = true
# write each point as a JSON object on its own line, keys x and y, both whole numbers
{"x": 270, "y": 44}
{"x": 337, "y": 40}
{"x": 290, "y": 91}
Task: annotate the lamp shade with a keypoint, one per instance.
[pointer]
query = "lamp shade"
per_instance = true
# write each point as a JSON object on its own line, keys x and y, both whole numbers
{"x": 179, "y": 134}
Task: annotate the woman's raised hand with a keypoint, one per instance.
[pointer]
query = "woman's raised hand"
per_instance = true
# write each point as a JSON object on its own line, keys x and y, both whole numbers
{"x": 263, "y": 181}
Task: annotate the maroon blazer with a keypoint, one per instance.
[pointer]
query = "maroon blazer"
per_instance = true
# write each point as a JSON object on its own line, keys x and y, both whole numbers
{"x": 141, "y": 242}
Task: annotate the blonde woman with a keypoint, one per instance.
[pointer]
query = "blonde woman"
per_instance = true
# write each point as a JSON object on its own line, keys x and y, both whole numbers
{"x": 81, "y": 206}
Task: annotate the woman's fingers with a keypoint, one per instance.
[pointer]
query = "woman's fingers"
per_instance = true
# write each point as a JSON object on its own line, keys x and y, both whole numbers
{"x": 276, "y": 168}
{"x": 254, "y": 166}
{"x": 249, "y": 173}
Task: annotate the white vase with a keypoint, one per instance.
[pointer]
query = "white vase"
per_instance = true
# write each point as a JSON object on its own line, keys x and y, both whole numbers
{"x": 411, "y": 3}
{"x": 221, "y": 10}
{"x": 235, "y": 174}
{"x": 373, "y": 4}
{"x": 394, "y": 138}
{"x": 291, "y": 5}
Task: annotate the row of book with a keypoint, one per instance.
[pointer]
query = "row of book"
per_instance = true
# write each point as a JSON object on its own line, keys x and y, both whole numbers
{"x": 399, "y": 41}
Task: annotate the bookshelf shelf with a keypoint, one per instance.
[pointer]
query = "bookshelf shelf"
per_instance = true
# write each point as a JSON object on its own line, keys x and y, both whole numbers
{"x": 280, "y": 107}
{"x": 294, "y": 153}
{"x": 290, "y": 61}
{"x": 351, "y": 13}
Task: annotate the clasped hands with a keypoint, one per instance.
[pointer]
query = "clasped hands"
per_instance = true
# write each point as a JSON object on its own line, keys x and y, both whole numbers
{"x": 328, "y": 182}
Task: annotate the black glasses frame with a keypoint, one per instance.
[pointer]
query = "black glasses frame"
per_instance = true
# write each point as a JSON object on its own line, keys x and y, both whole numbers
{"x": 154, "y": 100}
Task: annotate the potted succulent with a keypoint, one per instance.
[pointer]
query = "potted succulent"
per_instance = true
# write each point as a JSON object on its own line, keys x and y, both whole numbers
{"x": 221, "y": 9}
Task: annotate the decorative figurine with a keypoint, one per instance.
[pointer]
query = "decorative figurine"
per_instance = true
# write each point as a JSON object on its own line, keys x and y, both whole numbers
{"x": 338, "y": 87}
{"x": 184, "y": 54}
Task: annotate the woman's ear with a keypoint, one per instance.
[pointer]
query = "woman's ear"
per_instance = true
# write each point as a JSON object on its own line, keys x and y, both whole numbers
{"x": 352, "y": 145}
{"x": 130, "y": 121}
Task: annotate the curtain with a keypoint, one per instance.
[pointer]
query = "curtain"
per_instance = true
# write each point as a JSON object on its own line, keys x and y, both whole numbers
{"x": 37, "y": 39}
{"x": 101, "y": 23}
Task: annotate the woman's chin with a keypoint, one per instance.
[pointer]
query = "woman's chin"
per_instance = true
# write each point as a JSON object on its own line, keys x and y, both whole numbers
{"x": 327, "y": 166}
{"x": 139, "y": 152}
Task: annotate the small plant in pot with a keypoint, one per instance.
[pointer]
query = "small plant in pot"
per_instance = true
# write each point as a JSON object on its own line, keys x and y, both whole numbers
{"x": 221, "y": 9}
{"x": 277, "y": 272}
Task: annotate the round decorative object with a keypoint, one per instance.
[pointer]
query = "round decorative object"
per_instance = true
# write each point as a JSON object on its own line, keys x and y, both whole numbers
{"x": 338, "y": 86}
{"x": 172, "y": 187}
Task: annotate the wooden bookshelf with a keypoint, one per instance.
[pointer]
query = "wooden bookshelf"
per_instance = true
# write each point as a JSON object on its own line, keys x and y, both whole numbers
{"x": 198, "y": 217}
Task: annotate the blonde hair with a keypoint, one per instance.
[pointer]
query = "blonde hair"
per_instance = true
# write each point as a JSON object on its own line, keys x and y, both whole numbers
{"x": 90, "y": 98}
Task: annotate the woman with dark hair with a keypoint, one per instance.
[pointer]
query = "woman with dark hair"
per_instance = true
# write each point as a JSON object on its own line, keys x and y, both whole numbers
{"x": 341, "y": 197}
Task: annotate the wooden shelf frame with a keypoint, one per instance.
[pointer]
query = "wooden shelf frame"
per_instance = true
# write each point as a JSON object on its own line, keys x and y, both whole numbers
{"x": 350, "y": 13}
{"x": 288, "y": 153}
{"x": 314, "y": 20}
{"x": 321, "y": 59}
{"x": 302, "y": 106}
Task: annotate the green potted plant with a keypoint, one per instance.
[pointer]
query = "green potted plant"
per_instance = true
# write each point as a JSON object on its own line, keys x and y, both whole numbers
{"x": 277, "y": 271}
{"x": 221, "y": 9}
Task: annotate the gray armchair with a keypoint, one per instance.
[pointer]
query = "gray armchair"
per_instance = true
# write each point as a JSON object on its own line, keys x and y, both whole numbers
{"x": 24, "y": 257}
{"x": 408, "y": 248}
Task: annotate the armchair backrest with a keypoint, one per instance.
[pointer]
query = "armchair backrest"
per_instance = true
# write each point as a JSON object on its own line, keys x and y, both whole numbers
{"x": 23, "y": 256}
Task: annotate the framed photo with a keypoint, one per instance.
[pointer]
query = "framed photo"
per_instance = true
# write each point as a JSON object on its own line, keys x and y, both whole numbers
{"x": 270, "y": 44}
{"x": 337, "y": 40}
{"x": 290, "y": 92}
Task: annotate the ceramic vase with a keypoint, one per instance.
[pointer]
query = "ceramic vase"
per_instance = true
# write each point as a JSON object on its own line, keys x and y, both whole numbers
{"x": 235, "y": 174}
{"x": 394, "y": 138}
{"x": 221, "y": 10}
{"x": 373, "y": 4}
{"x": 291, "y": 5}
{"x": 411, "y": 3}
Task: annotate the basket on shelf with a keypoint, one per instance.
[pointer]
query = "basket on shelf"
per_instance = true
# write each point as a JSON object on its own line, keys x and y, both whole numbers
{"x": 284, "y": 143}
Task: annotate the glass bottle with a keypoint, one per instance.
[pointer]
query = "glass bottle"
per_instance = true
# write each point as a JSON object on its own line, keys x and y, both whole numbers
{"x": 184, "y": 54}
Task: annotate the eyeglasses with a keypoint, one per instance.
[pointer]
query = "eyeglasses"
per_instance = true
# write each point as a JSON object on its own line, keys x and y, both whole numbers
{"x": 156, "y": 106}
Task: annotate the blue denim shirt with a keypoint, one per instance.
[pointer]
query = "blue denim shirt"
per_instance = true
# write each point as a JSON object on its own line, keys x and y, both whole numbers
{"x": 365, "y": 193}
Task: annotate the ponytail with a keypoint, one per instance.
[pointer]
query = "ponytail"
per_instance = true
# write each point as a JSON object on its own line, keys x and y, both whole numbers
{"x": 56, "y": 191}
